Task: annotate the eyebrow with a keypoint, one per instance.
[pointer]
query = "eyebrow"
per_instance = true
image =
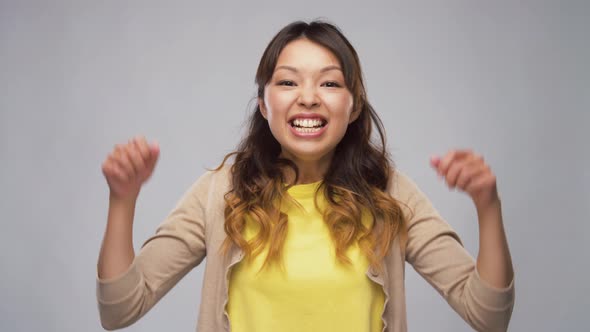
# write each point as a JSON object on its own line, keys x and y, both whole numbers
{"x": 323, "y": 70}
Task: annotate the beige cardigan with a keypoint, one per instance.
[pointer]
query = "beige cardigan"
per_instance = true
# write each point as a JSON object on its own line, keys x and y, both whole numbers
{"x": 194, "y": 228}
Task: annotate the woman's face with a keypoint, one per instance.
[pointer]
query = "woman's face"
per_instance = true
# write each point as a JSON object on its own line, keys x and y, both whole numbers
{"x": 306, "y": 102}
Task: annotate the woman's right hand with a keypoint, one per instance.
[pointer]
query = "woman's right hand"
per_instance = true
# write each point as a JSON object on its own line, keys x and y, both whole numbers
{"x": 128, "y": 166}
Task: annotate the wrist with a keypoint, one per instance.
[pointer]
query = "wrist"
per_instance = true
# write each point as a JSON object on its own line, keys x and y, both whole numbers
{"x": 490, "y": 209}
{"x": 128, "y": 201}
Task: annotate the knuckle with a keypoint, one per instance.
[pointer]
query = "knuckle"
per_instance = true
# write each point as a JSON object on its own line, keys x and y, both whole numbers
{"x": 122, "y": 168}
{"x": 144, "y": 147}
{"x": 119, "y": 156}
{"x": 132, "y": 151}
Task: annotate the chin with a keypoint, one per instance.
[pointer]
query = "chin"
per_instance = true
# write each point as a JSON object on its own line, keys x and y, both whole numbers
{"x": 308, "y": 155}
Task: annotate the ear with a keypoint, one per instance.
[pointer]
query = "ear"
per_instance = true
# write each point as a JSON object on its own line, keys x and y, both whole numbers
{"x": 354, "y": 115}
{"x": 262, "y": 107}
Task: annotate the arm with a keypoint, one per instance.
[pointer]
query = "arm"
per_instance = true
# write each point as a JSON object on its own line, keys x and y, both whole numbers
{"x": 468, "y": 172}
{"x": 494, "y": 263}
{"x": 128, "y": 286}
{"x": 436, "y": 253}
{"x": 164, "y": 259}
{"x": 126, "y": 169}
{"x": 116, "y": 252}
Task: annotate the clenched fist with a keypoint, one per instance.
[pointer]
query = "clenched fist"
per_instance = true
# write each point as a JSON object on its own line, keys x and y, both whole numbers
{"x": 467, "y": 171}
{"x": 128, "y": 166}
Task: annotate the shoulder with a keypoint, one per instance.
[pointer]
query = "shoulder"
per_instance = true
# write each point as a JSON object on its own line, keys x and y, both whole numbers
{"x": 212, "y": 184}
{"x": 219, "y": 176}
{"x": 413, "y": 200}
{"x": 401, "y": 186}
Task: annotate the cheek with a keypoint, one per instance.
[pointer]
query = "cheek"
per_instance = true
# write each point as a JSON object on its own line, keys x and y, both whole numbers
{"x": 340, "y": 106}
{"x": 277, "y": 104}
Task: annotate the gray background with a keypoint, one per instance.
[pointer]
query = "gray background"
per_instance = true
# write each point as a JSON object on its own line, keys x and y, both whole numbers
{"x": 508, "y": 79}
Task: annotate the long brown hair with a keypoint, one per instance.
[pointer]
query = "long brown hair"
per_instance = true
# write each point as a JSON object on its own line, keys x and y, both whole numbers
{"x": 355, "y": 183}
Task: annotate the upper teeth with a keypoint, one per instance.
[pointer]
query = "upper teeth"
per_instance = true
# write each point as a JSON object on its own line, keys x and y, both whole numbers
{"x": 310, "y": 123}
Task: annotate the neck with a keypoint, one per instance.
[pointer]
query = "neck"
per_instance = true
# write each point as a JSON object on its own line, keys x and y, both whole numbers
{"x": 309, "y": 170}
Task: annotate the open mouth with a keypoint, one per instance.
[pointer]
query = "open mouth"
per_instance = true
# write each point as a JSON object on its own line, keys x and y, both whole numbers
{"x": 308, "y": 125}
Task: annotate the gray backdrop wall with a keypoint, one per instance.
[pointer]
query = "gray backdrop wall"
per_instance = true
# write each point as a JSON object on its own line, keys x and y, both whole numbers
{"x": 508, "y": 79}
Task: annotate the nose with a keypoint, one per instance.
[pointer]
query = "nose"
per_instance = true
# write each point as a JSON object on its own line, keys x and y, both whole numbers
{"x": 308, "y": 97}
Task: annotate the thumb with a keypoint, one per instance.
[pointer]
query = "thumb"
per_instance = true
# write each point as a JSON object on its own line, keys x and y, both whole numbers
{"x": 434, "y": 161}
{"x": 154, "y": 151}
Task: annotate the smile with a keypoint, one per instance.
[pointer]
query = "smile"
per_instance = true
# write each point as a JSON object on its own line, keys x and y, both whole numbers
{"x": 308, "y": 127}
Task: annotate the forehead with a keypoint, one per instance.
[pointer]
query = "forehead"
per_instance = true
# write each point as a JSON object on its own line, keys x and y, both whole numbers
{"x": 305, "y": 54}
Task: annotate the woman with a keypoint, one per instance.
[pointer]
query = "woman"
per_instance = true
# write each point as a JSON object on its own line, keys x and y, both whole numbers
{"x": 310, "y": 227}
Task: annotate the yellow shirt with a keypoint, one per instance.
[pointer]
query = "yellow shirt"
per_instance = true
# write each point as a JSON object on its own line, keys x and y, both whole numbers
{"x": 314, "y": 292}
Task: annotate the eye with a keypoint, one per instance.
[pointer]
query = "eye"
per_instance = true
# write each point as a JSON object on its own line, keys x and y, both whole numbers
{"x": 331, "y": 84}
{"x": 286, "y": 83}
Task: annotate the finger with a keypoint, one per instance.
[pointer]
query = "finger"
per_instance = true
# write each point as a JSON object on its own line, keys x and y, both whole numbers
{"x": 458, "y": 166}
{"x": 469, "y": 174}
{"x": 453, "y": 172}
{"x": 135, "y": 157}
{"x": 142, "y": 146}
{"x": 434, "y": 161}
{"x": 114, "y": 172}
{"x": 120, "y": 174}
{"x": 445, "y": 163}
{"x": 154, "y": 153}
{"x": 155, "y": 149}
{"x": 476, "y": 163}
{"x": 123, "y": 162}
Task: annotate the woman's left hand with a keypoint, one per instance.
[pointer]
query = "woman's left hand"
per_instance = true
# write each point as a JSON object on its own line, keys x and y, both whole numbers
{"x": 467, "y": 171}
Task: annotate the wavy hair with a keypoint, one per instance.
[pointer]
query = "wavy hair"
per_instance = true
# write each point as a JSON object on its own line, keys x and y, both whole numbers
{"x": 356, "y": 181}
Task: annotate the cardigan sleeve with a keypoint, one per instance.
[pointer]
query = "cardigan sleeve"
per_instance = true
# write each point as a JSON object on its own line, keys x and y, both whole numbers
{"x": 177, "y": 246}
{"x": 436, "y": 253}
